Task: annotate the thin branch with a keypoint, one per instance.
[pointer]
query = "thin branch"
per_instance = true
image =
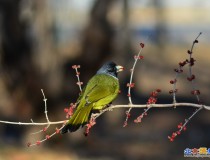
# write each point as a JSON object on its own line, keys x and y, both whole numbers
{"x": 45, "y": 104}
{"x": 132, "y": 72}
{"x": 79, "y": 83}
{"x": 46, "y": 115}
{"x": 114, "y": 107}
{"x": 191, "y": 64}
{"x": 187, "y": 120}
{"x": 131, "y": 84}
{"x": 47, "y": 137}
{"x": 33, "y": 123}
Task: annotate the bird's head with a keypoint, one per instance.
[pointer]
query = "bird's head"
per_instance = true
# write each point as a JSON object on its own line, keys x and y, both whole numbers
{"x": 110, "y": 68}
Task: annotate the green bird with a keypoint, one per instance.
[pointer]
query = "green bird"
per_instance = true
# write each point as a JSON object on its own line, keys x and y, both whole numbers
{"x": 100, "y": 91}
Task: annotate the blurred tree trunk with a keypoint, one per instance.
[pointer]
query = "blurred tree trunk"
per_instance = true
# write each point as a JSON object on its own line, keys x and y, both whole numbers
{"x": 19, "y": 74}
{"x": 98, "y": 37}
{"x": 125, "y": 31}
{"x": 96, "y": 46}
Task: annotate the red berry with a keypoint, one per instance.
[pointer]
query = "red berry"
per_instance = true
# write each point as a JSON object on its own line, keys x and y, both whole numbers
{"x": 179, "y": 125}
{"x": 196, "y": 41}
{"x": 125, "y": 124}
{"x": 29, "y": 144}
{"x": 86, "y": 134}
{"x": 170, "y": 138}
{"x": 44, "y": 129}
{"x": 57, "y": 131}
{"x": 189, "y": 79}
{"x": 176, "y": 70}
{"x": 158, "y": 90}
{"x": 66, "y": 110}
{"x": 47, "y": 137}
{"x": 74, "y": 66}
{"x": 38, "y": 143}
{"x": 141, "y": 57}
{"x": 171, "y": 81}
{"x": 128, "y": 114}
{"x": 189, "y": 52}
{"x": 171, "y": 91}
{"x": 173, "y": 135}
{"x": 142, "y": 45}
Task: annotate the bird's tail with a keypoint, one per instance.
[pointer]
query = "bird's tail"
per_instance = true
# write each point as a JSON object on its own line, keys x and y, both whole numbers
{"x": 79, "y": 118}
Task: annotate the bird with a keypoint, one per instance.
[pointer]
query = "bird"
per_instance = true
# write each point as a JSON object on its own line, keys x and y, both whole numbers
{"x": 99, "y": 92}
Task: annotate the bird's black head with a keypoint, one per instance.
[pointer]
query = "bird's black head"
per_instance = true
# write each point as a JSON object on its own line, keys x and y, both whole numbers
{"x": 110, "y": 68}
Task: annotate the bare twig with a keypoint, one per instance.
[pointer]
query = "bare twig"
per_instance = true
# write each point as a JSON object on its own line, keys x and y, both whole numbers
{"x": 79, "y": 83}
{"x": 132, "y": 72}
{"x": 131, "y": 84}
{"x": 187, "y": 120}
{"x": 191, "y": 63}
{"x": 46, "y": 115}
{"x": 47, "y": 137}
{"x": 33, "y": 123}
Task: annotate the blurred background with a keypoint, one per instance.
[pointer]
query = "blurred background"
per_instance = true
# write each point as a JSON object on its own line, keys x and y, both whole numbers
{"x": 41, "y": 39}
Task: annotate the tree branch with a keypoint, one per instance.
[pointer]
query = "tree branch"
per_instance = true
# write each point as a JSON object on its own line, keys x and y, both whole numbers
{"x": 115, "y": 107}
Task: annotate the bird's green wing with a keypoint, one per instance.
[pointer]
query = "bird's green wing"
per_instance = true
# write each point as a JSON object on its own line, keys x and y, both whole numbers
{"x": 99, "y": 92}
{"x": 99, "y": 87}
{"x": 104, "y": 92}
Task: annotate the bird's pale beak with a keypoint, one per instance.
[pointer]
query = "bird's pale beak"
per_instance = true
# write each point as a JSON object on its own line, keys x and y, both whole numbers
{"x": 119, "y": 68}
